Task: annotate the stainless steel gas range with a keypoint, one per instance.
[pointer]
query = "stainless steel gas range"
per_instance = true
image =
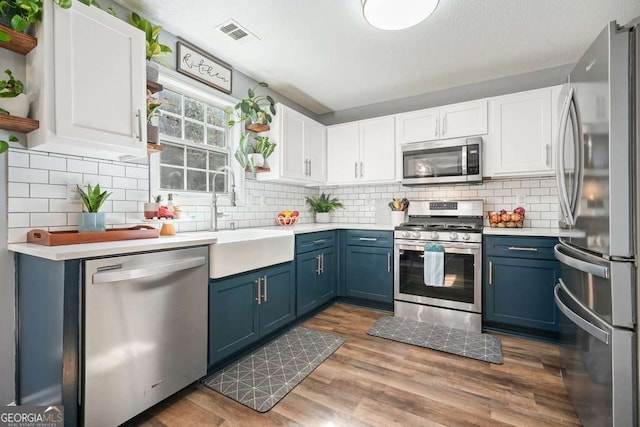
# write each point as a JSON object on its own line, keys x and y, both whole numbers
{"x": 457, "y": 226}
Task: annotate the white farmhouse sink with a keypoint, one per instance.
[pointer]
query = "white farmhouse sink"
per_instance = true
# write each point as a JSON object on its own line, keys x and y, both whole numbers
{"x": 237, "y": 251}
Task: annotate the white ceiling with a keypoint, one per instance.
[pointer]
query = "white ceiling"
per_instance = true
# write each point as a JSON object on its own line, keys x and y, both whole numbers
{"x": 323, "y": 55}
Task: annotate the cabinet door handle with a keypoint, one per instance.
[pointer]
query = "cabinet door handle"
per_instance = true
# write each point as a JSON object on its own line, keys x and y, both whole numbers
{"x": 490, "y": 272}
{"x": 322, "y": 263}
{"x": 355, "y": 170}
{"x": 139, "y": 116}
{"x": 444, "y": 125}
{"x": 368, "y": 239}
{"x": 309, "y": 167}
{"x": 259, "y": 292}
{"x": 388, "y": 262}
{"x": 318, "y": 265}
{"x": 547, "y": 155}
{"x": 264, "y": 281}
{"x": 519, "y": 248}
{"x": 317, "y": 242}
{"x": 361, "y": 169}
{"x": 437, "y": 126}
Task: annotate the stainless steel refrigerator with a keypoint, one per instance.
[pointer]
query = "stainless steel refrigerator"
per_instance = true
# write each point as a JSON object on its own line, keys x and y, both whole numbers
{"x": 596, "y": 171}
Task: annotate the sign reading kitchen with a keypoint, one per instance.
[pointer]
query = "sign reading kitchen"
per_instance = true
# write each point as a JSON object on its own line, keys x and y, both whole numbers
{"x": 203, "y": 67}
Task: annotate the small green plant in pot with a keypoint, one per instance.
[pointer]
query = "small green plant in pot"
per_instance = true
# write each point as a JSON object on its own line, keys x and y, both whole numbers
{"x": 322, "y": 206}
{"x": 153, "y": 105}
{"x": 255, "y": 110}
{"x": 20, "y": 14}
{"x": 92, "y": 201}
{"x": 154, "y": 48}
{"x": 13, "y": 101}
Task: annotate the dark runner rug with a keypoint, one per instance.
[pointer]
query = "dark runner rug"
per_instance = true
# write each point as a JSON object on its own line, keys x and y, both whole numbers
{"x": 260, "y": 379}
{"x": 475, "y": 345}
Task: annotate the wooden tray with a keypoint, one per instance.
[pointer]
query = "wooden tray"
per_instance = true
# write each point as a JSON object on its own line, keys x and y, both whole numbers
{"x": 57, "y": 238}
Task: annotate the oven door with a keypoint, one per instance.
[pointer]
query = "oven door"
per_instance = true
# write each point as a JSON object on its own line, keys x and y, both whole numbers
{"x": 462, "y": 288}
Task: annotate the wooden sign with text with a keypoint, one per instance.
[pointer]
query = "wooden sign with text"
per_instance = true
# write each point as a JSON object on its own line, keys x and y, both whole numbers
{"x": 197, "y": 64}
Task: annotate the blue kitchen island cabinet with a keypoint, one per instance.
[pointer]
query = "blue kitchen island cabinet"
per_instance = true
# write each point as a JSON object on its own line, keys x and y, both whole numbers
{"x": 367, "y": 266}
{"x": 315, "y": 270}
{"x": 248, "y": 306}
{"x": 519, "y": 276}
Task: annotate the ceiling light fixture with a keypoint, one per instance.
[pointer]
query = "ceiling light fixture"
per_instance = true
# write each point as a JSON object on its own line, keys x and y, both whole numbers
{"x": 397, "y": 14}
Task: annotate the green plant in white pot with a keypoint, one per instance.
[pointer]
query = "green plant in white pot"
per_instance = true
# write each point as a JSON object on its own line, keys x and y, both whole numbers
{"x": 92, "y": 201}
{"x": 13, "y": 101}
{"x": 264, "y": 148}
{"x": 322, "y": 206}
{"x": 154, "y": 47}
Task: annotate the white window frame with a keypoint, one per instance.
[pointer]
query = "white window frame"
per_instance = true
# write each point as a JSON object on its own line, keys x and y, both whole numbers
{"x": 177, "y": 82}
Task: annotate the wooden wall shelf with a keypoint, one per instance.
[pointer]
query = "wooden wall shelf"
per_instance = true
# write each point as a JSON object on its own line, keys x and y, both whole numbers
{"x": 18, "y": 124}
{"x": 20, "y": 42}
{"x": 154, "y": 86}
{"x": 153, "y": 148}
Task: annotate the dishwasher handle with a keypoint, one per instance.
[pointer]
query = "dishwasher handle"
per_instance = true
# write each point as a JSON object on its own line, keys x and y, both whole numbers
{"x": 147, "y": 271}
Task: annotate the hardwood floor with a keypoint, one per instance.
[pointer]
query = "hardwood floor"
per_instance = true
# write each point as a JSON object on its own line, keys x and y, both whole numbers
{"x": 378, "y": 382}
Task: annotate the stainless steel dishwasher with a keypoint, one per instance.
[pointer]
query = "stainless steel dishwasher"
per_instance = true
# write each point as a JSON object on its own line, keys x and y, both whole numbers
{"x": 145, "y": 331}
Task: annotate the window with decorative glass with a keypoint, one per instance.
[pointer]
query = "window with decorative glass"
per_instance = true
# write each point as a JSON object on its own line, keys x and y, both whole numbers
{"x": 195, "y": 144}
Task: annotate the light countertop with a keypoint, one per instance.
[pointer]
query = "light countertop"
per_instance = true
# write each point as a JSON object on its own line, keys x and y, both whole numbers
{"x": 530, "y": 232}
{"x": 313, "y": 227}
{"x": 91, "y": 250}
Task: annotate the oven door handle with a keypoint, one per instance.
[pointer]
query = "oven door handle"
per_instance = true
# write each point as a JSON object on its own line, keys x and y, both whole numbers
{"x": 463, "y": 248}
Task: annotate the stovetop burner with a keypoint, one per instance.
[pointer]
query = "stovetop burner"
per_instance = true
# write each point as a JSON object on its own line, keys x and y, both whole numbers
{"x": 427, "y": 226}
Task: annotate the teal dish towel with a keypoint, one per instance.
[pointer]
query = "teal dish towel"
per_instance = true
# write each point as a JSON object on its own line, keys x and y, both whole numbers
{"x": 433, "y": 264}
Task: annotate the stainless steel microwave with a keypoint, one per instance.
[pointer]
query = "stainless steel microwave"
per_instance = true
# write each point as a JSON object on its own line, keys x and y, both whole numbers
{"x": 441, "y": 162}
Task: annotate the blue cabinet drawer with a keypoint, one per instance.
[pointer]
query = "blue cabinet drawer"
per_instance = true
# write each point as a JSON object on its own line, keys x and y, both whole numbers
{"x": 380, "y": 239}
{"x": 312, "y": 241}
{"x": 520, "y": 247}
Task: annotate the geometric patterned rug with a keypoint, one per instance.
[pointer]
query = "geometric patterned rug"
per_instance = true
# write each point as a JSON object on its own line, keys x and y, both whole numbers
{"x": 260, "y": 379}
{"x": 475, "y": 345}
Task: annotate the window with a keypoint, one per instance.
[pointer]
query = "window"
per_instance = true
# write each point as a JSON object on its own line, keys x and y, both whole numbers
{"x": 195, "y": 144}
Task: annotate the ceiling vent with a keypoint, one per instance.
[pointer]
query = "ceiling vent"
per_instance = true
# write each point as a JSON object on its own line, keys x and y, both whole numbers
{"x": 236, "y": 31}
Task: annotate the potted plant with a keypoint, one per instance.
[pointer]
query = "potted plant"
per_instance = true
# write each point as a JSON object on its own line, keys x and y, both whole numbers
{"x": 153, "y": 104}
{"x": 154, "y": 48}
{"x": 20, "y": 14}
{"x": 12, "y": 98}
{"x": 92, "y": 199}
{"x": 151, "y": 208}
{"x": 254, "y": 110}
{"x": 243, "y": 154}
{"x": 264, "y": 147}
{"x": 322, "y": 206}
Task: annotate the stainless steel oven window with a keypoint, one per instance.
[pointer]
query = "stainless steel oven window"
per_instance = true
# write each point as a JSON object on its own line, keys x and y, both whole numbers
{"x": 434, "y": 162}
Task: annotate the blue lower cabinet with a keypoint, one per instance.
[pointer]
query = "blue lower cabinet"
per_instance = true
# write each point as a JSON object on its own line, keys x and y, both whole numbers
{"x": 518, "y": 293}
{"x": 369, "y": 273}
{"x": 316, "y": 279}
{"x": 245, "y": 307}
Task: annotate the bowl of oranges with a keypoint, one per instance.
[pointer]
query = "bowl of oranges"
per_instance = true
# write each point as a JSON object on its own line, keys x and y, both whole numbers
{"x": 287, "y": 217}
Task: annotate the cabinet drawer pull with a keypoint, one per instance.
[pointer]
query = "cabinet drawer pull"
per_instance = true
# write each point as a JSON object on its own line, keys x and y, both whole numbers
{"x": 368, "y": 239}
{"x": 321, "y": 263}
{"x": 318, "y": 265}
{"x": 264, "y": 295}
{"x": 547, "y": 155}
{"x": 259, "y": 292}
{"x": 388, "y": 262}
{"x": 355, "y": 171}
{"x": 139, "y": 116}
{"x": 519, "y": 248}
{"x": 317, "y": 242}
{"x": 490, "y": 272}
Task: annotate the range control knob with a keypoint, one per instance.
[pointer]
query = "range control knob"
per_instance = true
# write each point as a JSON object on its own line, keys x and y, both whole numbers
{"x": 434, "y": 235}
{"x": 416, "y": 234}
{"x": 453, "y": 235}
{"x": 406, "y": 234}
{"x": 466, "y": 236}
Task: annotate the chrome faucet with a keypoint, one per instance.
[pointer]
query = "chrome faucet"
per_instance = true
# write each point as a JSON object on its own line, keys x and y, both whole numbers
{"x": 214, "y": 199}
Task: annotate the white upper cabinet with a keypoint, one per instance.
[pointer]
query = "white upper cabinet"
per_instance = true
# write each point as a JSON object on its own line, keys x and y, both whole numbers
{"x": 362, "y": 151}
{"x": 87, "y": 79}
{"x": 452, "y": 121}
{"x": 521, "y": 134}
{"x": 301, "y": 151}
{"x": 465, "y": 119}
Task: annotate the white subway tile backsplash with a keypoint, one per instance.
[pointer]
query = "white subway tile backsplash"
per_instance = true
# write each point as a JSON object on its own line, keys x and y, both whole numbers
{"x": 17, "y": 235}
{"x": 48, "y": 219}
{"x": 56, "y": 177}
{"x": 18, "y": 189}
{"x": 17, "y": 159}
{"x": 103, "y": 181}
{"x": 111, "y": 169}
{"x": 28, "y": 175}
{"x": 38, "y": 161}
{"x": 82, "y": 166}
{"x": 16, "y": 220}
{"x": 48, "y": 191}
{"x": 137, "y": 195}
{"x": 126, "y": 183}
{"x": 542, "y": 191}
{"x": 27, "y": 205}
{"x": 60, "y": 205}
{"x": 118, "y": 206}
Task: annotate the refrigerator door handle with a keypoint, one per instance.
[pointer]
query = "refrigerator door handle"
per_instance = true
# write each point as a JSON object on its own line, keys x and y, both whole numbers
{"x": 560, "y": 179}
{"x": 582, "y": 263}
{"x": 579, "y": 152}
{"x": 583, "y": 324}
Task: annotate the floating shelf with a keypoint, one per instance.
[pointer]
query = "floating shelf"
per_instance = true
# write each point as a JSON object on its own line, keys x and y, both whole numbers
{"x": 257, "y": 127}
{"x": 154, "y": 86}
{"x": 18, "y": 124}
{"x": 20, "y": 42}
{"x": 153, "y": 148}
